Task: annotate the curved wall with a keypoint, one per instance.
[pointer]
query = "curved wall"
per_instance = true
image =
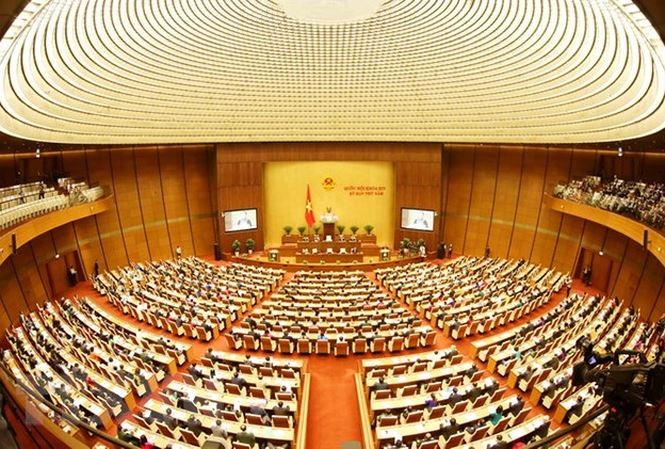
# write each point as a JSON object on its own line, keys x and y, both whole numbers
{"x": 161, "y": 199}
{"x": 164, "y": 196}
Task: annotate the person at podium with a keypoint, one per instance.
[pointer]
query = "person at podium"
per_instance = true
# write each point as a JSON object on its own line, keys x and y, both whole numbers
{"x": 329, "y": 216}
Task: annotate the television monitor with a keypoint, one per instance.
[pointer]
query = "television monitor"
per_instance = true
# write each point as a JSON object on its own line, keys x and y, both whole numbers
{"x": 418, "y": 219}
{"x": 240, "y": 220}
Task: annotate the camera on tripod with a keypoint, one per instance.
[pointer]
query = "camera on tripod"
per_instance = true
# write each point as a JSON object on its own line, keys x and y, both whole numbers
{"x": 628, "y": 383}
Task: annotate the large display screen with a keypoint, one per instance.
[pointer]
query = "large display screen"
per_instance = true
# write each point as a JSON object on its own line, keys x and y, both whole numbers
{"x": 418, "y": 219}
{"x": 239, "y": 220}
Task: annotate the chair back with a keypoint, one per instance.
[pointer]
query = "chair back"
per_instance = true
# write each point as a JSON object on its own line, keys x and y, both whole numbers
{"x": 342, "y": 348}
{"x": 251, "y": 418}
{"x": 281, "y": 421}
{"x": 359, "y": 346}
{"x": 256, "y": 392}
{"x": 412, "y": 341}
{"x": 455, "y": 440}
{"x": 285, "y": 346}
{"x": 382, "y": 394}
{"x": 323, "y": 346}
{"x": 431, "y": 444}
{"x": 437, "y": 412}
{"x": 304, "y": 346}
{"x": 379, "y": 344}
{"x": 416, "y": 416}
{"x": 189, "y": 437}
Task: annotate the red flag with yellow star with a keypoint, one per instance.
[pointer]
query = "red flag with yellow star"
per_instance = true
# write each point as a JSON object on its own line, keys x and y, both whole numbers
{"x": 309, "y": 211}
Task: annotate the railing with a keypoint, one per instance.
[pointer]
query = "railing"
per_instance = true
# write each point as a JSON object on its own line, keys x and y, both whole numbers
{"x": 630, "y": 228}
{"x": 28, "y": 230}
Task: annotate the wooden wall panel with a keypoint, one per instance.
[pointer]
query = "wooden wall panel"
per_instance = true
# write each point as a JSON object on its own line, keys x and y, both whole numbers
{"x": 89, "y": 245}
{"x": 152, "y": 204}
{"x": 485, "y": 167}
{"x": 125, "y": 185}
{"x": 659, "y": 306}
{"x": 459, "y": 194}
{"x": 108, "y": 224}
{"x": 549, "y": 223}
{"x": 630, "y": 272}
{"x": 43, "y": 251}
{"x": 175, "y": 201}
{"x": 197, "y": 162}
{"x": 567, "y": 243}
{"x": 28, "y": 276}
{"x": 12, "y": 295}
{"x": 648, "y": 287}
{"x": 531, "y": 187}
{"x": 505, "y": 200}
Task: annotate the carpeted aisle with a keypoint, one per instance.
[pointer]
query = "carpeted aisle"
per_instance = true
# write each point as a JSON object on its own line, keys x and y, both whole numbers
{"x": 334, "y": 417}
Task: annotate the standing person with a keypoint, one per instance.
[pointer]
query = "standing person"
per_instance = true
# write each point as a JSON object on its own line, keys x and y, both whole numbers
{"x": 178, "y": 252}
{"x": 72, "y": 274}
{"x": 569, "y": 286}
{"x": 586, "y": 275}
{"x": 487, "y": 251}
{"x": 450, "y": 250}
{"x": 95, "y": 269}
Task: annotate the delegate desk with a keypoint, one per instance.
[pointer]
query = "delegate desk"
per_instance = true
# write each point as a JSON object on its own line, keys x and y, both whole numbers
{"x": 378, "y": 405}
{"x": 432, "y": 356}
{"x": 156, "y": 438}
{"x": 263, "y": 432}
{"x": 323, "y": 246}
{"x": 329, "y": 258}
{"x": 421, "y": 376}
{"x": 234, "y": 357}
{"x": 275, "y": 382}
{"x": 227, "y": 398}
{"x": 432, "y": 425}
{"x": 513, "y": 434}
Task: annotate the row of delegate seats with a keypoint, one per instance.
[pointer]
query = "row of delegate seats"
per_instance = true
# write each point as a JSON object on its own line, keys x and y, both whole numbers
{"x": 545, "y": 356}
{"x": 435, "y": 400}
{"x": 556, "y": 391}
{"x": 524, "y": 346}
{"x": 187, "y": 297}
{"x": 468, "y": 295}
{"x": 517, "y": 335}
{"x": 87, "y": 365}
{"x": 338, "y": 314}
{"x": 223, "y": 395}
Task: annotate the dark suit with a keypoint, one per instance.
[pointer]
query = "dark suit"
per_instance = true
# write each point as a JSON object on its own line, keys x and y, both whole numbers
{"x": 516, "y": 407}
{"x": 449, "y": 430}
{"x": 187, "y": 405}
{"x": 195, "y": 426}
{"x": 280, "y": 411}
{"x": 473, "y": 393}
{"x": 171, "y": 422}
{"x": 246, "y": 438}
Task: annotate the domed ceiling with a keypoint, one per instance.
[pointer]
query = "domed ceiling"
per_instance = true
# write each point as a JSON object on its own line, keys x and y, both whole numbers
{"x": 169, "y": 71}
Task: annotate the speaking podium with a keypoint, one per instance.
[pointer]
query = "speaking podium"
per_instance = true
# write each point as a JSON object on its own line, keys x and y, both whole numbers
{"x": 329, "y": 230}
{"x": 328, "y": 219}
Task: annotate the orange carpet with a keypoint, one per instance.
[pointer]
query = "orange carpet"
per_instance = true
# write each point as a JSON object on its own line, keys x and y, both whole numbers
{"x": 333, "y": 408}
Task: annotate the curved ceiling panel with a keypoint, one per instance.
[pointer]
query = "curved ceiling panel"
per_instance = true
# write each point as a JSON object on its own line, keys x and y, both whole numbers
{"x": 166, "y": 71}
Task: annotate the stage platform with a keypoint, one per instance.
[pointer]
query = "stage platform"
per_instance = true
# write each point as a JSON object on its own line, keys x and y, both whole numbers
{"x": 289, "y": 263}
